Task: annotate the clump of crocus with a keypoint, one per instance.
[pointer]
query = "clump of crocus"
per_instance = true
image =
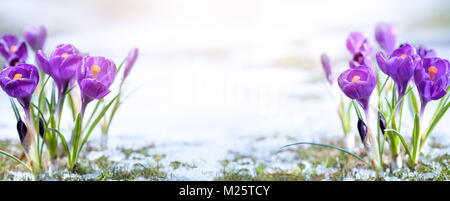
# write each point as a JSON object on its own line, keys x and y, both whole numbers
{"x": 358, "y": 84}
{"x": 69, "y": 68}
{"x": 94, "y": 76}
{"x": 11, "y": 46}
{"x": 386, "y": 36}
{"x": 399, "y": 66}
{"x": 432, "y": 79}
{"x": 35, "y": 37}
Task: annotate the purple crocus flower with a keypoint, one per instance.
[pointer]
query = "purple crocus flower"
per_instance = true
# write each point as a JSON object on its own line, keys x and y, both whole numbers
{"x": 356, "y": 43}
{"x": 432, "y": 79}
{"x": 426, "y": 53}
{"x": 386, "y": 35}
{"x": 129, "y": 63}
{"x": 35, "y": 37}
{"x": 94, "y": 76}
{"x": 19, "y": 82}
{"x": 358, "y": 84}
{"x": 400, "y": 65}
{"x": 327, "y": 67}
{"x": 61, "y": 66}
{"x": 10, "y": 45}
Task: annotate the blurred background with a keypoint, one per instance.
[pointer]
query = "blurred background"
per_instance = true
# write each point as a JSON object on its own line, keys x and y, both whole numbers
{"x": 214, "y": 75}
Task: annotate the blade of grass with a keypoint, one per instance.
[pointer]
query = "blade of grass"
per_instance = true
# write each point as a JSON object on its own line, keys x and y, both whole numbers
{"x": 93, "y": 112}
{"x": 64, "y": 143}
{"x": 434, "y": 122}
{"x": 97, "y": 120}
{"x": 329, "y": 146}
{"x": 16, "y": 111}
{"x": 28, "y": 168}
{"x": 405, "y": 145}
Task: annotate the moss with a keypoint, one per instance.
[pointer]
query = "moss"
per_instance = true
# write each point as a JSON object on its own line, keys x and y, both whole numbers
{"x": 177, "y": 164}
{"x": 142, "y": 150}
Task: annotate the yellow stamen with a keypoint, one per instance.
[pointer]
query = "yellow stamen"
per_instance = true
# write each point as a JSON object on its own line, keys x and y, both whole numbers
{"x": 12, "y": 48}
{"x": 432, "y": 70}
{"x": 403, "y": 56}
{"x": 95, "y": 69}
{"x": 356, "y": 78}
{"x": 17, "y": 76}
{"x": 64, "y": 55}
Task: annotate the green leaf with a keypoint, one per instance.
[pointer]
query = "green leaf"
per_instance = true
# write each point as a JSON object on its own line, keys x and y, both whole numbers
{"x": 38, "y": 131}
{"x": 53, "y": 99}
{"x": 72, "y": 107}
{"x": 121, "y": 64}
{"x": 42, "y": 93}
{"x": 401, "y": 99}
{"x": 77, "y": 132}
{"x": 61, "y": 103}
{"x": 329, "y": 146}
{"x": 434, "y": 122}
{"x": 413, "y": 105}
{"x": 382, "y": 87}
{"x": 16, "y": 111}
{"x": 93, "y": 112}
{"x": 441, "y": 104}
{"x": 405, "y": 145}
{"x": 40, "y": 113}
{"x": 358, "y": 112}
{"x": 416, "y": 133}
{"x": 97, "y": 120}
{"x": 64, "y": 143}
{"x": 17, "y": 160}
{"x": 113, "y": 112}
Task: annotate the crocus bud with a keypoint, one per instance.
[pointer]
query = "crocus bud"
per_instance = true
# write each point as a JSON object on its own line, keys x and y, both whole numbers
{"x": 41, "y": 128}
{"x": 362, "y": 129}
{"x": 21, "y": 129}
{"x": 386, "y": 36}
{"x": 35, "y": 37}
{"x": 382, "y": 122}
{"x": 129, "y": 63}
{"x": 327, "y": 67}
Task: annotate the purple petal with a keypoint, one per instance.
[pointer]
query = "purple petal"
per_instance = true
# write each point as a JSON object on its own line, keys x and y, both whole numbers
{"x": 93, "y": 89}
{"x": 42, "y": 62}
{"x": 35, "y": 37}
